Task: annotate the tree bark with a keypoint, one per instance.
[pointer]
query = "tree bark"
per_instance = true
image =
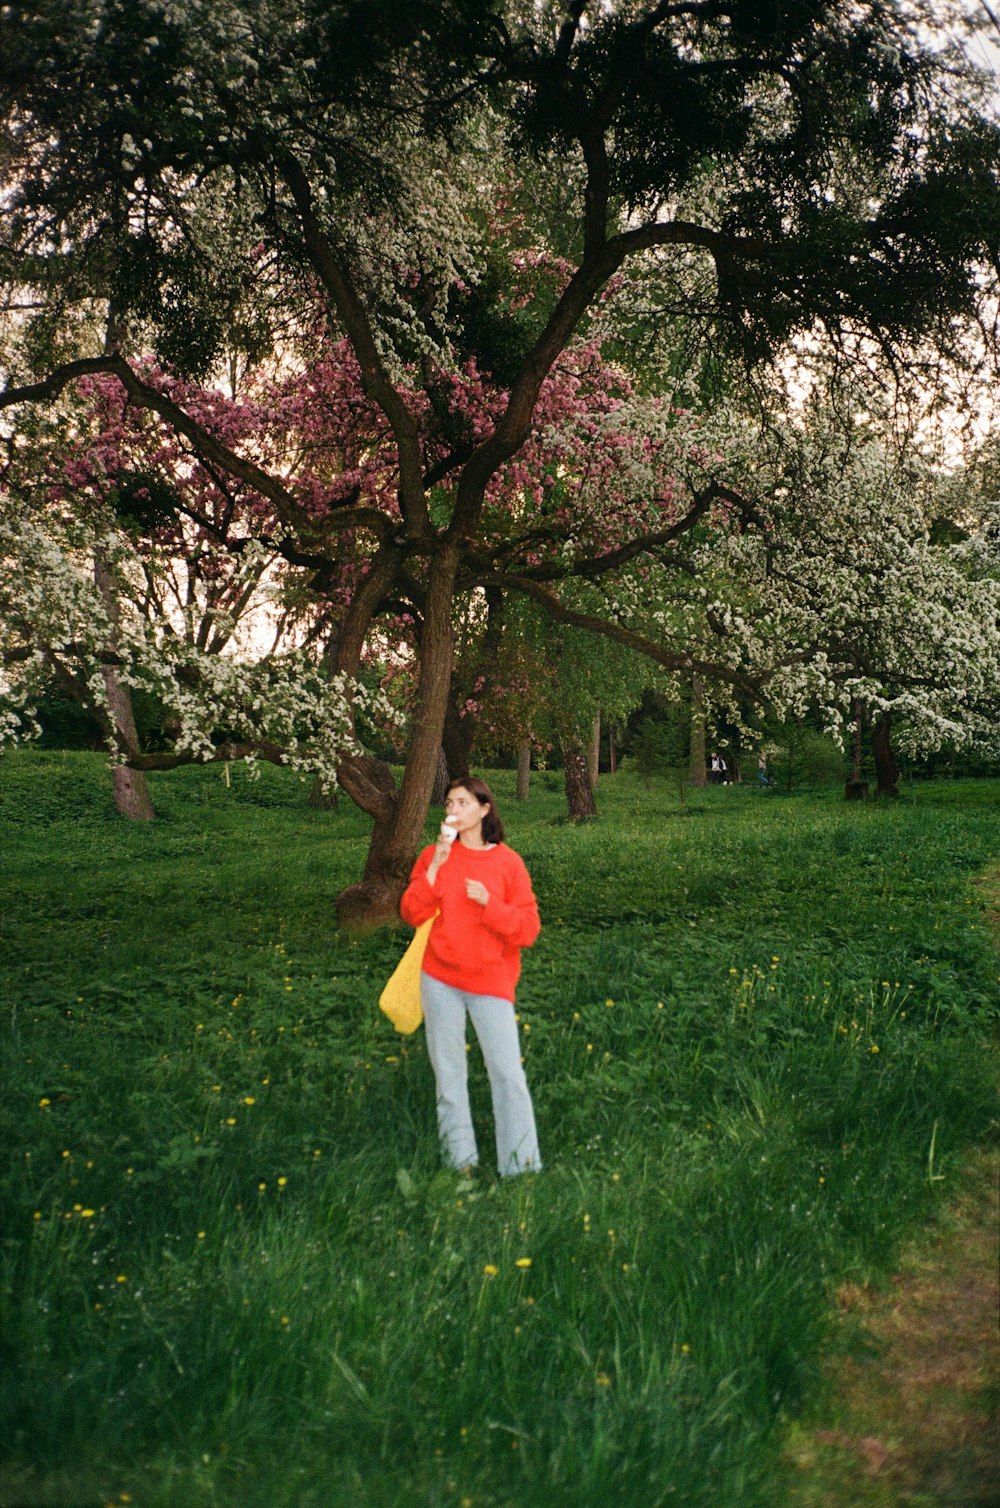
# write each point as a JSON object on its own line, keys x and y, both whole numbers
{"x": 856, "y": 788}
{"x": 886, "y": 768}
{"x": 457, "y": 739}
{"x": 323, "y": 800}
{"x": 130, "y": 788}
{"x": 131, "y": 794}
{"x": 523, "y": 769}
{"x": 400, "y": 816}
{"x": 440, "y": 790}
{"x": 594, "y": 753}
{"x": 856, "y": 742}
{"x": 580, "y": 803}
{"x": 697, "y": 772}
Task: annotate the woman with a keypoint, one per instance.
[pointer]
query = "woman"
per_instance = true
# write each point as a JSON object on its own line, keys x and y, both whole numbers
{"x": 488, "y": 913}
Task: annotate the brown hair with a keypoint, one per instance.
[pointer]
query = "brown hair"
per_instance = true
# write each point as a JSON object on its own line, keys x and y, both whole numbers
{"x": 492, "y": 826}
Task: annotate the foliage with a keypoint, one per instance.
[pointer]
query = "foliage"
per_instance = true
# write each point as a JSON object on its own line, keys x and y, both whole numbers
{"x": 800, "y": 756}
{"x": 476, "y": 199}
{"x": 659, "y": 743}
{"x": 233, "y": 1273}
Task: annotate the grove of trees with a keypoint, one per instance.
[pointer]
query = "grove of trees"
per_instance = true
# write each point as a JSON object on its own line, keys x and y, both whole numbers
{"x": 418, "y": 367}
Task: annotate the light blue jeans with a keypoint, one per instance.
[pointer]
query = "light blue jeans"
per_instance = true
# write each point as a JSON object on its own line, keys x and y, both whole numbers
{"x": 444, "y": 1019}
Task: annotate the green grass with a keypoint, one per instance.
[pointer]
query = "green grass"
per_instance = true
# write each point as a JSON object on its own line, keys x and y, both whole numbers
{"x": 758, "y": 1031}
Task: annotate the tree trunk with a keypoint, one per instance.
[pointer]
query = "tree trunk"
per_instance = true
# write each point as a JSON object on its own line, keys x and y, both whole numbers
{"x": 580, "y": 801}
{"x": 856, "y": 742}
{"x": 523, "y": 769}
{"x": 697, "y": 773}
{"x": 594, "y": 753}
{"x": 400, "y": 816}
{"x": 323, "y": 800}
{"x": 856, "y": 788}
{"x": 886, "y": 768}
{"x": 130, "y": 788}
{"x": 457, "y": 740}
{"x": 440, "y": 790}
{"x": 131, "y": 793}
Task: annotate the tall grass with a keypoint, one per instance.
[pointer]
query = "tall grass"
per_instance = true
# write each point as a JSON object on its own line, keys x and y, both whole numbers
{"x": 756, "y": 1030}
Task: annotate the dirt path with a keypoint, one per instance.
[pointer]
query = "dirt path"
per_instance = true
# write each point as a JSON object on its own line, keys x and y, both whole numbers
{"x": 913, "y": 1418}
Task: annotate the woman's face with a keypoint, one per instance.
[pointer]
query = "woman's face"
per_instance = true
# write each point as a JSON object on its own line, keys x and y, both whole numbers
{"x": 463, "y": 805}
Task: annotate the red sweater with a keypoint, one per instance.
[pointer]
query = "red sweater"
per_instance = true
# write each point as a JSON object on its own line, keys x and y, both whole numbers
{"x": 473, "y": 947}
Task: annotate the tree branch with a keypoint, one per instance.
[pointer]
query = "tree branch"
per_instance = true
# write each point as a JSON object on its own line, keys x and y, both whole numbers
{"x": 224, "y": 753}
{"x": 207, "y": 448}
{"x": 374, "y": 377}
{"x": 670, "y": 660}
{"x": 599, "y": 565}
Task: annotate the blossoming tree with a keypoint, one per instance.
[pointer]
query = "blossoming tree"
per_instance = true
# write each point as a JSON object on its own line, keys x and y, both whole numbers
{"x": 753, "y": 171}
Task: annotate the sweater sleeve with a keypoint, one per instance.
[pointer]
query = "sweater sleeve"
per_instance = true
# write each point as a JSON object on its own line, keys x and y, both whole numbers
{"x": 419, "y": 901}
{"x": 515, "y": 920}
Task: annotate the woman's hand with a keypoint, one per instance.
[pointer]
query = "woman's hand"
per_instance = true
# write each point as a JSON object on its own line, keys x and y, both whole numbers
{"x": 442, "y": 849}
{"x": 477, "y": 891}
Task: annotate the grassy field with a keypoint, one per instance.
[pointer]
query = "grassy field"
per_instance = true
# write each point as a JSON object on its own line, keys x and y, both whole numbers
{"x": 756, "y": 1030}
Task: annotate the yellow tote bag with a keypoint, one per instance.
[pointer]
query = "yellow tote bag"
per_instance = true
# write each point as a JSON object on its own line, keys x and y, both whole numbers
{"x": 401, "y": 997}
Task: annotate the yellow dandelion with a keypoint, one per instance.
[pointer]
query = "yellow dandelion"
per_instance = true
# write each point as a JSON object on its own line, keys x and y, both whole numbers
{"x": 37, "y": 1215}
{"x": 874, "y": 1047}
{"x": 87, "y": 1214}
{"x": 121, "y": 1278}
{"x": 523, "y": 1262}
{"x": 248, "y": 1099}
{"x": 490, "y": 1271}
{"x": 603, "y": 1380}
{"x": 201, "y": 1235}
{"x": 262, "y": 1187}
{"x": 44, "y": 1102}
{"x": 282, "y": 1181}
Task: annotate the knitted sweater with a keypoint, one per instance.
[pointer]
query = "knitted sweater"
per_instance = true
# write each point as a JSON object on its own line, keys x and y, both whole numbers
{"x": 472, "y": 947}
